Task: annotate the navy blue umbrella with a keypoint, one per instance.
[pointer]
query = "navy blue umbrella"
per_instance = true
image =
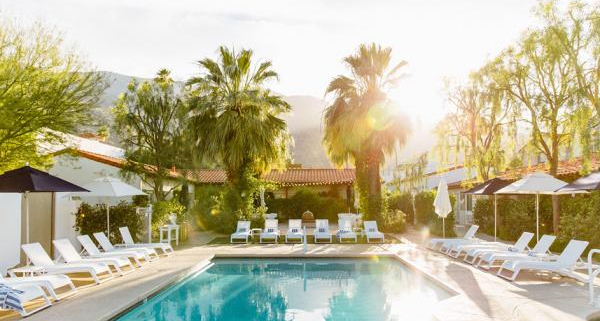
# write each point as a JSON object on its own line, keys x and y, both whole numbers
{"x": 30, "y": 180}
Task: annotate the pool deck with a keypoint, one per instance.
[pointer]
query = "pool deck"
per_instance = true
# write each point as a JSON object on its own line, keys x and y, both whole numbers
{"x": 480, "y": 295}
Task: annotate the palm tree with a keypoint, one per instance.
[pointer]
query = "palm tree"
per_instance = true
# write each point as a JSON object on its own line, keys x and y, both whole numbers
{"x": 237, "y": 120}
{"x": 359, "y": 124}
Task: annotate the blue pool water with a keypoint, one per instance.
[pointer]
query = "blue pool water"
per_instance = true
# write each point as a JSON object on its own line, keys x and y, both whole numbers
{"x": 296, "y": 289}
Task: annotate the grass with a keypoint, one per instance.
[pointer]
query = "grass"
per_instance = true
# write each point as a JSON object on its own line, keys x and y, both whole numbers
{"x": 389, "y": 239}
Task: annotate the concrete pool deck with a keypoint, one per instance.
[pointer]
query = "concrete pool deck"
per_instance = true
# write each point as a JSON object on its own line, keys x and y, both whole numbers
{"x": 481, "y": 295}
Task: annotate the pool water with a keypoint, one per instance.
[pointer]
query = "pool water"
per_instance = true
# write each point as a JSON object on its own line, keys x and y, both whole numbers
{"x": 296, "y": 289}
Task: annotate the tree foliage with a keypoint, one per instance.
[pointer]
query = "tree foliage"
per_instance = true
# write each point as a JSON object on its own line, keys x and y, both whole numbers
{"x": 475, "y": 130}
{"x": 360, "y": 125}
{"x": 44, "y": 89}
{"x": 237, "y": 121}
{"x": 150, "y": 118}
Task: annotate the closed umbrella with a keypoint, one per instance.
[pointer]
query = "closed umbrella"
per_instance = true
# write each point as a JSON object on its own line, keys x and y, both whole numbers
{"x": 490, "y": 187}
{"x": 27, "y": 180}
{"x": 109, "y": 187}
{"x": 536, "y": 184}
{"x": 442, "y": 204}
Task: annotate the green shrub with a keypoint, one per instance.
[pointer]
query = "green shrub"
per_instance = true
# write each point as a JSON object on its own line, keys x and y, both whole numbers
{"x": 323, "y": 207}
{"x": 402, "y": 202}
{"x": 394, "y": 221}
{"x": 426, "y": 214}
{"x": 516, "y": 214}
{"x": 580, "y": 220}
{"x": 92, "y": 218}
{"x": 162, "y": 210}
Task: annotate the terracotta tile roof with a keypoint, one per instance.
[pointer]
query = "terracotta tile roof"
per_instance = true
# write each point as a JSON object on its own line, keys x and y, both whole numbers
{"x": 120, "y": 163}
{"x": 565, "y": 168}
{"x": 289, "y": 177}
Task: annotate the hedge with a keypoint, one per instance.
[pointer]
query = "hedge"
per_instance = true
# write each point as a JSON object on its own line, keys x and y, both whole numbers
{"x": 322, "y": 206}
{"x": 426, "y": 215}
{"x": 90, "y": 219}
{"x": 580, "y": 217}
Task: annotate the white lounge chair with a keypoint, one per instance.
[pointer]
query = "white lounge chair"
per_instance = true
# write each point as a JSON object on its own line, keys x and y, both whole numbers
{"x": 24, "y": 293}
{"x": 38, "y": 256}
{"x": 563, "y": 265}
{"x": 294, "y": 231}
{"x": 69, "y": 254}
{"x": 372, "y": 232}
{"x": 242, "y": 232}
{"x": 540, "y": 250}
{"x": 49, "y": 282}
{"x": 94, "y": 252}
{"x": 473, "y": 250}
{"x": 442, "y": 243}
{"x": 128, "y": 243}
{"x": 107, "y": 246}
{"x": 271, "y": 231}
{"x": 345, "y": 231}
{"x": 322, "y": 231}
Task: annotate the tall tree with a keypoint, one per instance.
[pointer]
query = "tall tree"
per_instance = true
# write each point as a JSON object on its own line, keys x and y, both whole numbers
{"x": 577, "y": 30}
{"x": 44, "y": 90}
{"x": 360, "y": 125}
{"x": 541, "y": 80}
{"x": 150, "y": 118}
{"x": 476, "y": 128}
{"x": 237, "y": 120}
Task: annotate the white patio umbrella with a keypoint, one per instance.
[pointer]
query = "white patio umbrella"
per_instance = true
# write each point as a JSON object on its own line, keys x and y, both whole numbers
{"x": 109, "y": 187}
{"x": 536, "y": 184}
{"x": 442, "y": 204}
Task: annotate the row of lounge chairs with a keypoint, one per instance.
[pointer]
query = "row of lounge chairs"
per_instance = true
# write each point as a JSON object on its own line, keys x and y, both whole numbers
{"x": 295, "y": 232}
{"x": 47, "y": 276}
{"x": 514, "y": 258}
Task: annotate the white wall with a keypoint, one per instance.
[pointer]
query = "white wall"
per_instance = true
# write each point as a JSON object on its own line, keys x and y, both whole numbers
{"x": 10, "y": 233}
{"x": 64, "y": 218}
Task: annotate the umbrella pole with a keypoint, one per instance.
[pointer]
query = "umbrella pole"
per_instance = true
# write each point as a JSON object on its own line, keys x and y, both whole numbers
{"x": 537, "y": 216}
{"x": 443, "y": 227}
{"x": 26, "y": 217}
{"x": 107, "y": 220}
{"x": 495, "y": 216}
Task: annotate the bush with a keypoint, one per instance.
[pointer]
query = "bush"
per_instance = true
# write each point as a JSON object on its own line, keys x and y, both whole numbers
{"x": 92, "y": 218}
{"x": 516, "y": 214}
{"x": 323, "y": 207}
{"x": 394, "y": 221}
{"x": 213, "y": 210}
{"x": 402, "y": 202}
{"x": 162, "y": 210}
{"x": 580, "y": 220}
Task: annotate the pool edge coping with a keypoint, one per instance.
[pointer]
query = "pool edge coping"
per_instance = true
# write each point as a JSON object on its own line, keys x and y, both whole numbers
{"x": 140, "y": 298}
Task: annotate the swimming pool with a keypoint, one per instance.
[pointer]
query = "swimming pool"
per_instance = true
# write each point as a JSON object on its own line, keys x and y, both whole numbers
{"x": 296, "y": 289}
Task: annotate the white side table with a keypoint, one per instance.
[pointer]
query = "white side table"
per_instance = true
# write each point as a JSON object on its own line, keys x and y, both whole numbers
{"x": 169, "y": 229}
{"x": 28, "y": 270}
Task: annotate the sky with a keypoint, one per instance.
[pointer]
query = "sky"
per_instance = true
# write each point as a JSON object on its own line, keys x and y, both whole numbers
{"x": 305, "y": 39}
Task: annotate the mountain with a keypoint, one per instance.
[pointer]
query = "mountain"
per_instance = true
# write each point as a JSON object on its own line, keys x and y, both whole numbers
{"x": 304, "y": 122}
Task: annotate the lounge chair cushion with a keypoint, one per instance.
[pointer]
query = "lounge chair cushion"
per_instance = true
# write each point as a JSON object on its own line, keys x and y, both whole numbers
{"x": 321, "y": 230}
{"x": 270, "y": 230}
{"x": 10, "y": 298}
{"x": 372, "y": 229}
{"x": 242, "y": 230}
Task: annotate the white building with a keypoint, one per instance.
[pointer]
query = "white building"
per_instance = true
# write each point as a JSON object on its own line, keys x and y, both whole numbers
{"x": 79, "y": 161}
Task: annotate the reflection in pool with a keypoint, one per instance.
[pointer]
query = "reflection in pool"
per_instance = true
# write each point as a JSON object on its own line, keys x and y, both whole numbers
{"x": 296, "y": 289}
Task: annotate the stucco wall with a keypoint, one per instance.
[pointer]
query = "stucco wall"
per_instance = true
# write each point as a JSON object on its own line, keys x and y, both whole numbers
{"x": 10, "y": 235}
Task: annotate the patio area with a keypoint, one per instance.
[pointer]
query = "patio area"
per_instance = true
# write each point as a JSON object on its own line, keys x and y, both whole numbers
{"x": 480, "y": 295}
